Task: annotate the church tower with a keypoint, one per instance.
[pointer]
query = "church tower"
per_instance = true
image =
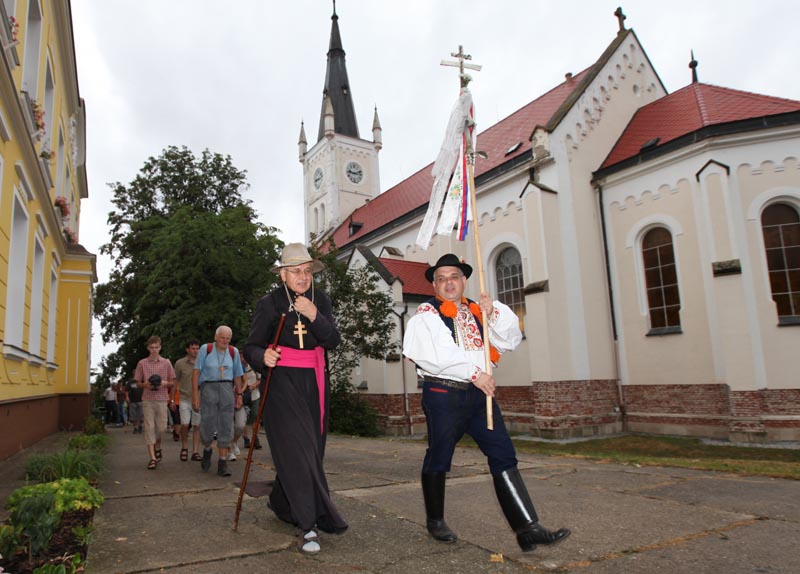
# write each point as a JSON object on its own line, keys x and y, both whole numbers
{"x": 340, "y": 171}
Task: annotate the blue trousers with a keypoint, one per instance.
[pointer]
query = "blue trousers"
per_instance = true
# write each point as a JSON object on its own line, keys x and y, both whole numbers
{"x": 451, "y": 413}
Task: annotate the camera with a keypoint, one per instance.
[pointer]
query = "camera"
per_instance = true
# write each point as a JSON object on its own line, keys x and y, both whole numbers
{"x": 155, "y": 381}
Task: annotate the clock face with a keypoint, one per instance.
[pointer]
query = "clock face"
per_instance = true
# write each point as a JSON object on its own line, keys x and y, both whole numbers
{"x": 355, "y": 172}
{"x": 318, "y": 176}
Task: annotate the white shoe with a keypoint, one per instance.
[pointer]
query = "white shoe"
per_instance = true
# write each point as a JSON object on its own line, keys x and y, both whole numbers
{"x": 231, "y": 456}
{"x": 236, "y": 450}
{"x": 310, "y": 543}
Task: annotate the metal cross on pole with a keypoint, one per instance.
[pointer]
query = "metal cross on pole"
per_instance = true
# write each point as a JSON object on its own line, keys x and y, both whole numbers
{"x": 461, "y": 64}
{"x": 465, "y": 78}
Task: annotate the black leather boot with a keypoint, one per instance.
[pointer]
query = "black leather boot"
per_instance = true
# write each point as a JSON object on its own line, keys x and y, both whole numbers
{"x": 520, "y": 513}
{"x": 433, "y": 493}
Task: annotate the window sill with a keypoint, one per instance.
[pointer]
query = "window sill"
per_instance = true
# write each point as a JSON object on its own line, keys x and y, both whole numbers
{"x": 788, "y": 320}
{"x": 15, "y": 353}
{"x": 661, "y": 331}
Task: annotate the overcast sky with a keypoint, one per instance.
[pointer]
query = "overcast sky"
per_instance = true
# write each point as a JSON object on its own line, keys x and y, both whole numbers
{"x": 237, "y": 77}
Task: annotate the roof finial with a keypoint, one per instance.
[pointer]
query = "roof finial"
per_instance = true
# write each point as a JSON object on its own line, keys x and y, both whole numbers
{"x": 334, "y": 10}
{"x": 621, "y": 17}
{"x": 693, "y": 66}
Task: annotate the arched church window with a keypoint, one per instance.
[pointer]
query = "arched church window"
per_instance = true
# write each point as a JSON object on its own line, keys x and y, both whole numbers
{"x": 322, "y": 218}
{"x": 661, "y": 281}
{"x": 316, "y": 220}
{"x": 780, "y": 224}
{"x": 510, "y": 286}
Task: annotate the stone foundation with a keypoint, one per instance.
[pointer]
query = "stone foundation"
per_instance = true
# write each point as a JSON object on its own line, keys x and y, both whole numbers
{"x": 27, "y": 421}
{"x": 575, "y": 409}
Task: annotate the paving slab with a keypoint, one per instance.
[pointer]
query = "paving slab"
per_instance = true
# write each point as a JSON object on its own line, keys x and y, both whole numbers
{"x": 624, "y": 518}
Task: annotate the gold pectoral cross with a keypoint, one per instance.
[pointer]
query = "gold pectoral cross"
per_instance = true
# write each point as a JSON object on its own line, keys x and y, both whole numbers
{"x": 300, "y": 330}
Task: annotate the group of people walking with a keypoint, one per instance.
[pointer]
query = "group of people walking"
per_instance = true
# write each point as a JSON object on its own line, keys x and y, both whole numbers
{"x": 292, "y": 328}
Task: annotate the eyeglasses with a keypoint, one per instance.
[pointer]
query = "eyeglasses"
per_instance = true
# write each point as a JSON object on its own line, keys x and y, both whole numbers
{"x": 297, "y": 272}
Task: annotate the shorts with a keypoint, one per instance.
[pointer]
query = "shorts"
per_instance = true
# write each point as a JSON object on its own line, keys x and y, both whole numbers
{"x": 189, "y": 415}
{"x": 155, "y": 420}
{"x": 135, "y": 414}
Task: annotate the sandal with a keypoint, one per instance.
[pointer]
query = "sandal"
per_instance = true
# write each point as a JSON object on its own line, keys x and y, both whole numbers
{"x": 152, "y": 464}
{"x": 309, "y": 543}
{"x": 184, "y": 454}
{"x": 159, "y": 456}
{"x": 196, "y": 456}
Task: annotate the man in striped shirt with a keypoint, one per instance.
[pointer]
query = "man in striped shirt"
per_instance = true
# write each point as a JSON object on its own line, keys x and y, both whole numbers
{"x": 155, "y": 375}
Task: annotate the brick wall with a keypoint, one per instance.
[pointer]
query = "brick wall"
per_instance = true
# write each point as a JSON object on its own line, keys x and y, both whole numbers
{"x": 562, "y": 409}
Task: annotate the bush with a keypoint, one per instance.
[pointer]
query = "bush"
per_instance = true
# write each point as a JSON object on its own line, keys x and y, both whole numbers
{"x": 98, "y": 442}
{"x": 35, "y": 519}
{"x": 351, "y": 415}
{"x": 68, "y": 494}
{"x": 71, "y": 463}
{"x": 9, "y": 540}
{"x": 94, "y": 426}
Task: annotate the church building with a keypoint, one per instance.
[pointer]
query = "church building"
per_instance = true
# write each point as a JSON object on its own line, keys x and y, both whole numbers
{"x": 648, "y": 241}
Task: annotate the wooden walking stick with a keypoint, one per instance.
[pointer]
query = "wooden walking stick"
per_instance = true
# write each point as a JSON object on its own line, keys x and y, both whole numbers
{"x": 255, "y": 428}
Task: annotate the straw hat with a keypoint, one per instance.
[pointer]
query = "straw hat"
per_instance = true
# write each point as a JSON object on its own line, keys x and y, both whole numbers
{"x": 296, "y": 254}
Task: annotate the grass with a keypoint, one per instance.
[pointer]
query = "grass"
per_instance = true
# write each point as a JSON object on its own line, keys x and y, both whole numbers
{"x": 670, "y": 451}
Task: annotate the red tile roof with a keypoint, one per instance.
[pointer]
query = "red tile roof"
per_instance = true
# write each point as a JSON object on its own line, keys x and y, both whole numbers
{"x": 689, "y": 109}
{"x": 411, "y": 273}
{"x": 415, "y": 191}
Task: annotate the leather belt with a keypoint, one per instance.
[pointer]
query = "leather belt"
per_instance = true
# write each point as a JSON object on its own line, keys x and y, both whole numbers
{"x": 460, "y": 385}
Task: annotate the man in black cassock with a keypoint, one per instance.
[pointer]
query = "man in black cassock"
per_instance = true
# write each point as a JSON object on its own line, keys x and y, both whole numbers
{"x": 296, "y": 411}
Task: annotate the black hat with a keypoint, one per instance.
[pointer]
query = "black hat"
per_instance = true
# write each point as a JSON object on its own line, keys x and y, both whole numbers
{"x": 448, "y": 260}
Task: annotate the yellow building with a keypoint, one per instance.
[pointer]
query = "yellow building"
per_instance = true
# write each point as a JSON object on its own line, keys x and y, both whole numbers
{"x": 46, "y": 276}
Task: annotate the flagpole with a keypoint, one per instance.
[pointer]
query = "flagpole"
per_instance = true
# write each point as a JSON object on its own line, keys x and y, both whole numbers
{"x": 481, "y": 276}
{"x": 464, "y": 80}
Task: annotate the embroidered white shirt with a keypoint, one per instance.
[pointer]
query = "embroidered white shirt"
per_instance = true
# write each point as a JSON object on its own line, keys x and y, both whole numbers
{"x": 430, "y": 345}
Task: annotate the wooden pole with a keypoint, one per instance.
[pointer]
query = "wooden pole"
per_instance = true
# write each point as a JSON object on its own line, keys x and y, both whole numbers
{"x": 255, "y": 429}
{"x": 481, "y": 275}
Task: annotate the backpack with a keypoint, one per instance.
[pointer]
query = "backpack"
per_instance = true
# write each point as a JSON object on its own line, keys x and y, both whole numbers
{"x": 230, "y": 350}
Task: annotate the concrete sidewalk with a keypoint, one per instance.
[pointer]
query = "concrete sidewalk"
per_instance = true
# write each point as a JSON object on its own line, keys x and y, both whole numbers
{"x": 624, "y": 519}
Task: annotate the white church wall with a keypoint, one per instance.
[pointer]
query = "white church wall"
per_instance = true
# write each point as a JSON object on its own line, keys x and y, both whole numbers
{"x": 580, "y": 144}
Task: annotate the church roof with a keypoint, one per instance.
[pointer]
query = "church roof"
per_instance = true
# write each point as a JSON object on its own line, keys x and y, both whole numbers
{"x": 688, "y": 111}
{"x": 337, "y": 87}
{"x": 411, "y": 273}
{"x": 503, "y": 142}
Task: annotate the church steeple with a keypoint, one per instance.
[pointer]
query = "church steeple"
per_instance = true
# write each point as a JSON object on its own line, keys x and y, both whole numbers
{"x": 337, "y": 87}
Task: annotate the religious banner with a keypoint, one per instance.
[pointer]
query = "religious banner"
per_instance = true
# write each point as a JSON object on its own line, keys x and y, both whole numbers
{"x": 449, "y": 195}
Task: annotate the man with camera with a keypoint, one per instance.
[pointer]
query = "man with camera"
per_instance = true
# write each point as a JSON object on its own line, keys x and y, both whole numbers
{"x": 155, "y": 375}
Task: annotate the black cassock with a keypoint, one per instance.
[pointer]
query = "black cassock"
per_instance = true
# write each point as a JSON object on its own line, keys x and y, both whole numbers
{"x": 291, "y": 414}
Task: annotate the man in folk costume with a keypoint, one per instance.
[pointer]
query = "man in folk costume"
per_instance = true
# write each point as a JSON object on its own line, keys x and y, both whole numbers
{"x": 445, "y": 341}
{"x": 296, "y": 411}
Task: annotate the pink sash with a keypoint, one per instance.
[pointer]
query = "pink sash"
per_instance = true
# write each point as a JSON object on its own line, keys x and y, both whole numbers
{"x": 308, "y": 360}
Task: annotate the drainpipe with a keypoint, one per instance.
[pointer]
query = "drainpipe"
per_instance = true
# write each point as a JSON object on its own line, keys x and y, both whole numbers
{"x": 620, "y": 396}
{"x": 406, "y": 413}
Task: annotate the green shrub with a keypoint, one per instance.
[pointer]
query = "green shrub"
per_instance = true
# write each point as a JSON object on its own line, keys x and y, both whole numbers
{"x": 68, "y": 464}
{"x": 69, "y": 494}
{"x": 351, "y": 415}
{"x": 62, "y": 565}
{"x": 35, "y": 519}
{"x": 98, "y": 442}
{"x": 9, "y": 540}
{"x": 93, "y": 426}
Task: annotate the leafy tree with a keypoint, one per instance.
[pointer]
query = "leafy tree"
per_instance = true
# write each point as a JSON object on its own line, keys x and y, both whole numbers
{"x": 189, "y": 255}
{"x": 363, "y": 316}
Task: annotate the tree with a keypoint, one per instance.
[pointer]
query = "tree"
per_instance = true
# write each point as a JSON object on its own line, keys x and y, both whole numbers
{"x": 188, "y": 256}
{"x": 363, "y": 316}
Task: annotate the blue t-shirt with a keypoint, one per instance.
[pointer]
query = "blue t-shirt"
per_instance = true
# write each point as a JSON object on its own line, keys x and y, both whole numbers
{"x": 209, "y": 364}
